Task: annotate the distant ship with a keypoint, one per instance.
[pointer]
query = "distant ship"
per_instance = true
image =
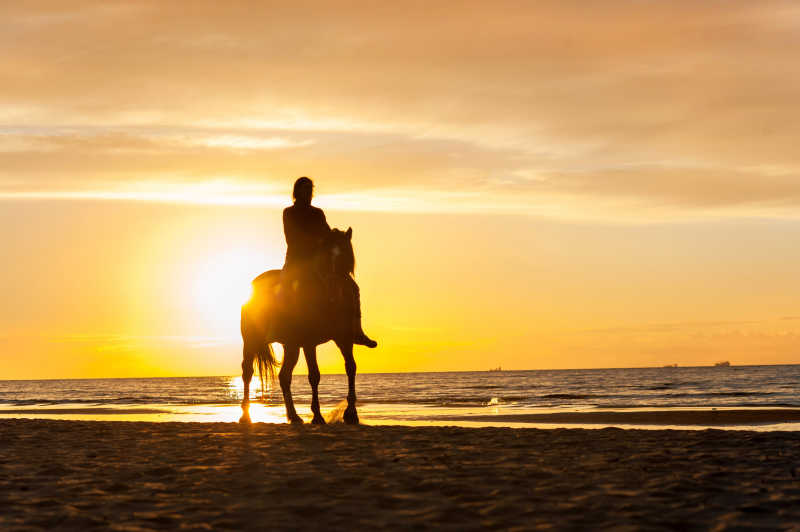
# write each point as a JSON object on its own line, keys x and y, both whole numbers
{"x": 670, "y": 365}
{"x": 723, "y": 364}
{"x": 498, "y": 368}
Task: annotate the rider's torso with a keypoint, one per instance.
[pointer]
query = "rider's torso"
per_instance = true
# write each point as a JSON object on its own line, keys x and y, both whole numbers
{"x": 305, "y": 227}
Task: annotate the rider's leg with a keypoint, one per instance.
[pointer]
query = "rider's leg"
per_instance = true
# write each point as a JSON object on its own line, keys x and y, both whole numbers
{"x": 359, "y": 337}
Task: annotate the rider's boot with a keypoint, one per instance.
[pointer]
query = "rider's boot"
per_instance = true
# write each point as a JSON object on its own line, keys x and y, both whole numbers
{"x": 359, "y": 337}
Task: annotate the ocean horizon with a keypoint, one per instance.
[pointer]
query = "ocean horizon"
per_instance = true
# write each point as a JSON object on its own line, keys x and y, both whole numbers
{"x": 740, "y": 397}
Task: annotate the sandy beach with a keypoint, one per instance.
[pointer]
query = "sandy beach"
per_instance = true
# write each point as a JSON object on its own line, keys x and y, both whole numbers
{"x": 137, "y": 476}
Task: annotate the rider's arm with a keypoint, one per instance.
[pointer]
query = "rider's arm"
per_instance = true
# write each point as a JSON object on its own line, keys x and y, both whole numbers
{"x": 324, "y": 227}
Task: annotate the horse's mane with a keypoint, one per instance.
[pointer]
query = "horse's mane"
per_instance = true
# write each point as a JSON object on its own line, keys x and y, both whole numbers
{"x": 347, "y": 256}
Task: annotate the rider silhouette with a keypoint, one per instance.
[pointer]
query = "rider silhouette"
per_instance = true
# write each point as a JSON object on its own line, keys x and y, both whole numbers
{"x": 305, "y": 229}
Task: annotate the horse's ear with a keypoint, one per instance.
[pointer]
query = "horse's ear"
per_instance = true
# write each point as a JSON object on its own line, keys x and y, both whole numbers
{"x": 349, "y": 233}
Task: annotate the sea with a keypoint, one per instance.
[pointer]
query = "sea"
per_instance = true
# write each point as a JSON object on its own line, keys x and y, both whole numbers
{"x": 474, "y": 398}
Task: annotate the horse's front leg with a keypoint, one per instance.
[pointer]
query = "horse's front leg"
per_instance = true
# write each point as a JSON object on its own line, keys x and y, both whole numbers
{"x": 310, "y": 352}
{"x": 350, "y": 413}
{"x": 290, "y": 355}
{"x": 247, "y": 375}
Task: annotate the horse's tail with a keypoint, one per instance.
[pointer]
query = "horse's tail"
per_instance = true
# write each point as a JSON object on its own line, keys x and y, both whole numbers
{"x": 256, "y": 315}
{"x": 267, "y": 365}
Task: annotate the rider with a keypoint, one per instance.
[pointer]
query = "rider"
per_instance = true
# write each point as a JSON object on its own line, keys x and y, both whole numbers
{"x": 305, "y": 228}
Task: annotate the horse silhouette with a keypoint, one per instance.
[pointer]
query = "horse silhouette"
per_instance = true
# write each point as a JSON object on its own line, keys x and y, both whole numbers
{"x": 302, "y": 311}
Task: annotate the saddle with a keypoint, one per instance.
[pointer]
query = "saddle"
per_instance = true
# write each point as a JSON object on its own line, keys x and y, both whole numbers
{"x": 310, "y": 300}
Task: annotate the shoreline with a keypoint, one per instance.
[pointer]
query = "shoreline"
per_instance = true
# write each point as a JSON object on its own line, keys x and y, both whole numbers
{"x": 759, "y": 418}
{"x": 82, "y": 475}
{"x": 705, "y": 417}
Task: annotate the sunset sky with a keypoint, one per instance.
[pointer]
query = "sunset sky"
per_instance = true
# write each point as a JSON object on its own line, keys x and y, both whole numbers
{"x": 550, "y": 184}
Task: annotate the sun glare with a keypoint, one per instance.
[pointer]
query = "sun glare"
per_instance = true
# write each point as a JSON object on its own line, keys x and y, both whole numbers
{"x": 221, "y": 286}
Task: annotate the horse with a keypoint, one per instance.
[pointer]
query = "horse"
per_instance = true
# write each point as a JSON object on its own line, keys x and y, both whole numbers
{"x": 316, "y": 316}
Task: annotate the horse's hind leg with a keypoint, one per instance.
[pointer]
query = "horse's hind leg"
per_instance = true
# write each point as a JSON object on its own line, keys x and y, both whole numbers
{"x": 310, "y": 352}
{"x": 247, "y": 375}
{"x": 350, "y": 413}
{"x": 290, "y": 355}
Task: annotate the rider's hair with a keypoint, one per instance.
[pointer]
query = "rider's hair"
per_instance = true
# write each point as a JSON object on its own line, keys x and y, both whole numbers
{"x": 302, "y": 181}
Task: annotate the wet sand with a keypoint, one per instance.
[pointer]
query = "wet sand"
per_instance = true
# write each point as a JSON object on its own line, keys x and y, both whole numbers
{"x": 770, "y": 418}
{"x": 705, "y": 417}
{"x": 76, "y": 475}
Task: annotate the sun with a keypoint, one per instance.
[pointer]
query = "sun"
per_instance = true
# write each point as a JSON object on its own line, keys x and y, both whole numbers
{"x": 221, "y": 285}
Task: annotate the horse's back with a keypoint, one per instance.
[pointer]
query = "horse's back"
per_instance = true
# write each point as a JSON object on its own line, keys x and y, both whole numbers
{"x": 253, "y": 312}
{"x": 267, "y": 278}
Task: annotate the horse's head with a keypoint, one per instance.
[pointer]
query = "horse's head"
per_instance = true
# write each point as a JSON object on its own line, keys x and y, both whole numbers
{"x": 340, "y": 247}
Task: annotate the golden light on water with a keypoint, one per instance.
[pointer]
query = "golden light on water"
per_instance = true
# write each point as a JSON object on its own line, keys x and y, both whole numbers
{"x": 236, "y": 389}
{"x": 273, "y": 412}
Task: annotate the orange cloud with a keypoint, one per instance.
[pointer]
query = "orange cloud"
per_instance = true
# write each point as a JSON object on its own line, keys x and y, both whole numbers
{"x": 621, "y": 109}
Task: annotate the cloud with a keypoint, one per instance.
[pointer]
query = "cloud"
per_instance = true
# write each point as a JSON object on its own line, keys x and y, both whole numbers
{"x": 622, "y": 108}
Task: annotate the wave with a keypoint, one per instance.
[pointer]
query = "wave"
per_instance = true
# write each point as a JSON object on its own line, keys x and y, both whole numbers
{"x": 764, "y": 386}
{"x": 469, "y": 400}
{"x": 657, "y": 406}
{"x": 118, "y": 401}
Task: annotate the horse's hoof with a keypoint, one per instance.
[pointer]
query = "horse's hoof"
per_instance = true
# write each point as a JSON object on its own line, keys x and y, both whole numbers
{"x": 318, "y": 420}
{"x": 296, "y": 420}
{"x": 245, "y": 413}
{"x": 351, "y": 416}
